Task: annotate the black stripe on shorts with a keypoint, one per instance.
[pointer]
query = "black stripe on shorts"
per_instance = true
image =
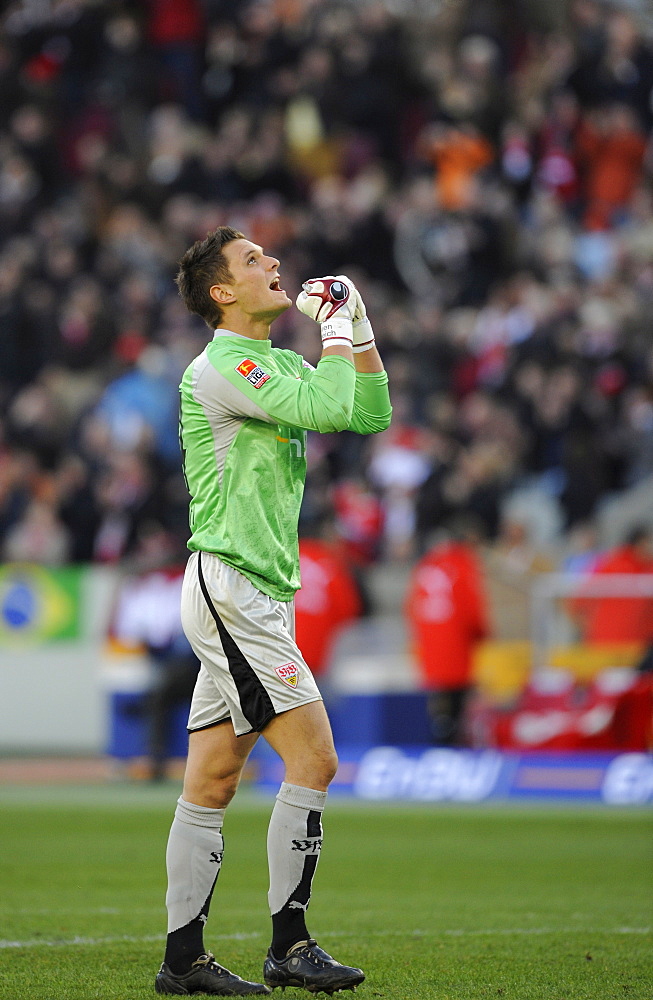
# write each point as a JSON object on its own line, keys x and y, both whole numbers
{"x": 255, "y": 702}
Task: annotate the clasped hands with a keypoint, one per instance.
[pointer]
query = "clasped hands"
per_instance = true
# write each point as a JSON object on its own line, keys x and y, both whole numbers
{"x": 336, "y": 304}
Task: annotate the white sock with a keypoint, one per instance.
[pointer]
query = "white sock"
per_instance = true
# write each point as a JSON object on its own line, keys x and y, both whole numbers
{"x": 294, "y": 844}
{"x": 193, "y": 861}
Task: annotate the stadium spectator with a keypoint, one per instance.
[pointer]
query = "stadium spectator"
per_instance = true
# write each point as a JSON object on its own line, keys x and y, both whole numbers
{"x": 447, "y": 615}
{"x": 458, "y": 154}
{"x": 38, "y": 536}
{"x": 147, "y": 617}
{"x": 329, "y": 598}
{"x": 614, "y": 618}
{"x": 617, "y": 66}
{"x": 358, "y": 521}
{"x": 610, "y": 148}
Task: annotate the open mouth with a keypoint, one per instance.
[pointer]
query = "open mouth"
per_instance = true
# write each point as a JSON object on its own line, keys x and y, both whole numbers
{"x": 275, "y": 285}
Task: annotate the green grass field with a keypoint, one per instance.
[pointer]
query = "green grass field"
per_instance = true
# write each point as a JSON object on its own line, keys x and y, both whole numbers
{"x": 446, "y": 903}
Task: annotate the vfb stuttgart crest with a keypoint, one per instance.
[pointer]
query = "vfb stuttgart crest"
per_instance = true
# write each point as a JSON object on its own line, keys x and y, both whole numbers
{"x": 288, "y": 673}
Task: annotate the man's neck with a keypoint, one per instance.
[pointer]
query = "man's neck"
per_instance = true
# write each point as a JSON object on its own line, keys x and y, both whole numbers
{"x": 246, "y": 327}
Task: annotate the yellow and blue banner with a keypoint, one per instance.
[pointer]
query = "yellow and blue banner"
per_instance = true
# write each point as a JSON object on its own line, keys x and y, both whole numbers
{"x": 39, "y": 604}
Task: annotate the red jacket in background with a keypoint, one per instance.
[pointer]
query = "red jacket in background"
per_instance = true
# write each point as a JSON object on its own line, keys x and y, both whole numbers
{"x": 447, "y": 616}
{"x": 327, "y": 600}
{"x": 171, "y": 22}
{"x": 617, "y": 619}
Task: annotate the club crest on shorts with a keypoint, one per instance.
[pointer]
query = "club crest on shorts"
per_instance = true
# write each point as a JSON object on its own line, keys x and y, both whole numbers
{"x": 288, "y": 673}
{"x": 252, "y": 372}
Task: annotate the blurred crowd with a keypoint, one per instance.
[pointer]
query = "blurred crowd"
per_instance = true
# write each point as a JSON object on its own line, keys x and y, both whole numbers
{"x": 483, "y": 170}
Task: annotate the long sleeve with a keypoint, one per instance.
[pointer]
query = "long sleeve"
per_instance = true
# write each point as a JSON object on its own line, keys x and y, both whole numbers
{"x": 372, "y": 409}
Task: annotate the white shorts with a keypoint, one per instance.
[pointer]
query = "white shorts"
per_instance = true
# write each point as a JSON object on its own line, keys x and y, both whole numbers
{"x": 252, "y": 668}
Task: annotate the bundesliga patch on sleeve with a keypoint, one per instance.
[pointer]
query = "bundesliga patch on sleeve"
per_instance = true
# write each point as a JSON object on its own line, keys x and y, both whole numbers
{"x": 252, "y": 372}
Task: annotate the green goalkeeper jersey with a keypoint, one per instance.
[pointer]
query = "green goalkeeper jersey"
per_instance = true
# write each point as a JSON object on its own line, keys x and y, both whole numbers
{"x": 245, "y": 410}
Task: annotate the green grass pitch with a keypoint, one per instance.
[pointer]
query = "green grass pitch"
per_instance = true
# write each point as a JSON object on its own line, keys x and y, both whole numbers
{"x": 533, "y": 902}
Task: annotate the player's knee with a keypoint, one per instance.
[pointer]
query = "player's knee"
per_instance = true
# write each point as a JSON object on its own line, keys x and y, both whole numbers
{"x": 212, "y": 789}
{"x": 326, "y": 764}
{"x": 227, "y": 785}
{"x": 316, "y": 768}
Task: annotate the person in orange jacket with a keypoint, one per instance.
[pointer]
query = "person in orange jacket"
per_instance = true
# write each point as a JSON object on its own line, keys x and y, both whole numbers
{"x": 446, "y": 611}
{"x": 610, "y": 149}
{"x": 459, "y": 152}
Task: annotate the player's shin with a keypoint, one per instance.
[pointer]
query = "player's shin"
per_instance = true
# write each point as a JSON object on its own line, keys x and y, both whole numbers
{"x": 193, "y": 861}
{"x": 294, "y": 844}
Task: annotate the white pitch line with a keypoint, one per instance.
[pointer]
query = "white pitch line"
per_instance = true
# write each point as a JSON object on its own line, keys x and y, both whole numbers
{"x": 93, "y": 942}
{"x": 548, "y": 930}
{"x": 503, "y": 932}
{"x": 79, "y": 911}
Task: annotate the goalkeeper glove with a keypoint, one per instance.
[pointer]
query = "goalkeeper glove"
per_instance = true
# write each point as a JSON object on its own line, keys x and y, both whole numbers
{"x": 363, "y": 334}
{"x": 331, "y": 302}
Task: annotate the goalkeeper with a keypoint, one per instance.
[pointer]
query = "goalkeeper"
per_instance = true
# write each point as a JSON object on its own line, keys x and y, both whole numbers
{"x": 245, "y": 410}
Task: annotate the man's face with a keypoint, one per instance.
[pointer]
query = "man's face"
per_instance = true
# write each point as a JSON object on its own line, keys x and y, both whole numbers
{"x": 255, "y": 283}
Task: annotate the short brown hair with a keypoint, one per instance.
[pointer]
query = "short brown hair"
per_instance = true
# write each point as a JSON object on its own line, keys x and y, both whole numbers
{"x": 202, "y": 266}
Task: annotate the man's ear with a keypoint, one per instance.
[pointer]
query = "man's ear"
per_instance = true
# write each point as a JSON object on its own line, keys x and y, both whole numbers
{"x": 222, "y": 294}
